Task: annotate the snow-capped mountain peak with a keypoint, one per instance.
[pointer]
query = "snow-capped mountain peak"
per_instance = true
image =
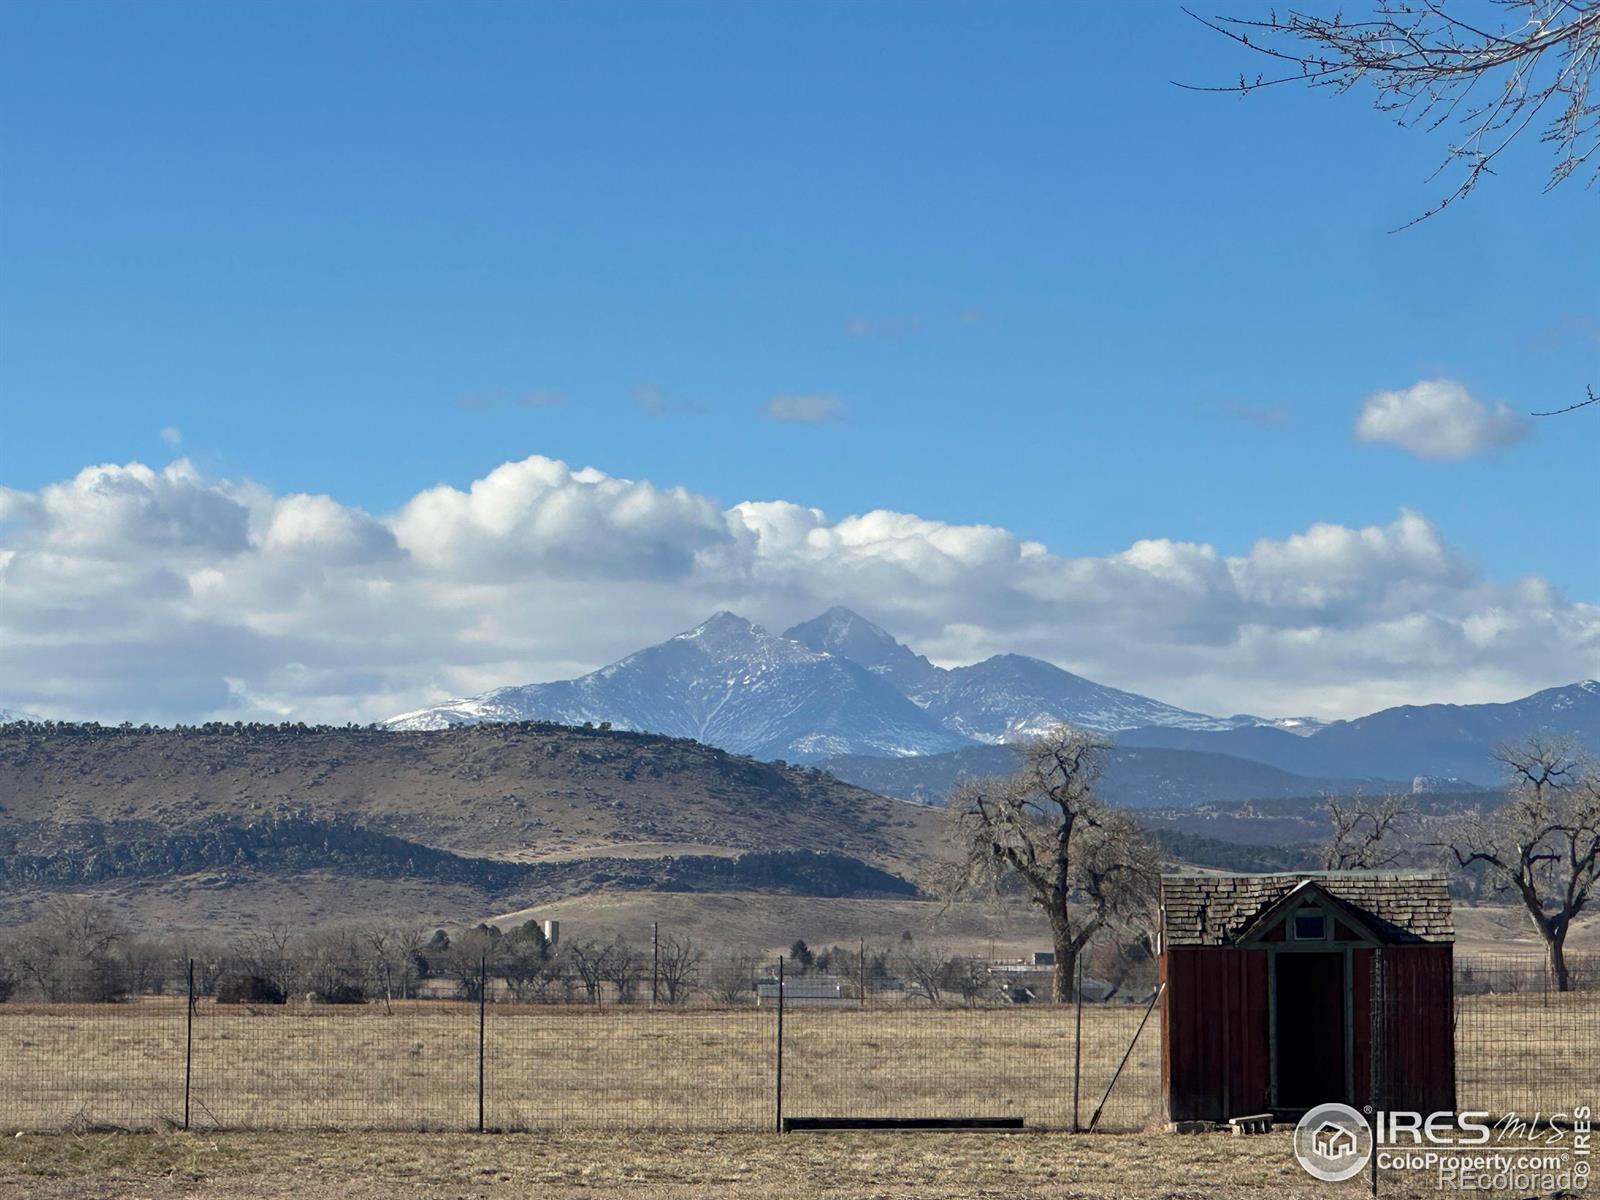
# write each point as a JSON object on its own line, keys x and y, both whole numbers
{"x": 837, "y": 684}
{"x": 851, "y": 636}
{"x": 729, "y": 683}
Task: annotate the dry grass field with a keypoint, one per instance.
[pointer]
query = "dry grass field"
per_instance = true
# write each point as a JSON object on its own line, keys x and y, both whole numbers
{"x": 851, "y": 1166}
{"x": 555, "y": 1068}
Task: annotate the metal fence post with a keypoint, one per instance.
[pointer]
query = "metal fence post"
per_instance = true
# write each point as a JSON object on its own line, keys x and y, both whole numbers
{"x": 188, "y": 1045}
{"x": 655, "y": 963}
{"x": 863, "y": 972}
{"x": 483, "y": 1002}
{"x": 1077, "y": 1044}
{"x": 1378, "y": 1034}
{"x": 778, "y": 1106}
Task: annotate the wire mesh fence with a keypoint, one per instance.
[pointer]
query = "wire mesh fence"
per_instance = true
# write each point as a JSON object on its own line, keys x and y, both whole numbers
{"x": 726, "y": 1050}
{"x": 1523, "y": 1044}
{"x": 1526, "y": 1061}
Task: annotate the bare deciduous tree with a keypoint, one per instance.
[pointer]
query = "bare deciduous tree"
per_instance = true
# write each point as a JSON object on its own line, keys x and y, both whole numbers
{"x": 1429, "y": 68}
{"x": 678, "y": 972}
{"x": 1544, "y": 844}
{"x": 971, "y": 979}
{"x": 624, "y": 968}
{"x": 732, "y": 980}
{"x": 1366, "y": 834}
{"x": 332, "y": 965}
{"x": 392, "y": 951}
{"x": 1488, "y": 81}
{"x": 1084, "y": 863}
{"x": 69, "y": 950}
{"x": 465, "y": 959}
{"x": 926, "y": 973}
{"x": 592, "y": 961}
{"x": 265, "y": 954}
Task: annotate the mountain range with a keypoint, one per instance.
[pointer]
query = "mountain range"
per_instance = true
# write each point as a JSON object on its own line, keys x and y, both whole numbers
{"x": 1449, "y": 742}
{"x": 839, "y": 690}
{"x": 830, "y": 686}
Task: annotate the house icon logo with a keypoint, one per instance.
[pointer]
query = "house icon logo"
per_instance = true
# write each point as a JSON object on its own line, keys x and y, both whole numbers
{"x": 1333, "y": 1142}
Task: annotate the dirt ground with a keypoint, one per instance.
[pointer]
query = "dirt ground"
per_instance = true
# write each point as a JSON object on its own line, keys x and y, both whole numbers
{"x": 846, "y": 1166}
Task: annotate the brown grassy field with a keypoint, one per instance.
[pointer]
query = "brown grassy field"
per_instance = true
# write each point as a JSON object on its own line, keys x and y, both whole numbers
{"x": 575, "y": 1068}
{"x": 557, "y": 1067}
{"x": 851, "y": 1166}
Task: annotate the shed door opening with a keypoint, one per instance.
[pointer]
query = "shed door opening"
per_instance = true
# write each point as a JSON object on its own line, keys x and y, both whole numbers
{"x": 1311, "y": 1019}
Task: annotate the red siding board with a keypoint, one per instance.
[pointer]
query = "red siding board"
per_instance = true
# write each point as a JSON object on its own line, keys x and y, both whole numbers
{"x": 1215, "y": 1032}
{"x": 1420, "y": 1028}
{"x": 1361, "y": 1022}
{"x": 1216, "y": 1029}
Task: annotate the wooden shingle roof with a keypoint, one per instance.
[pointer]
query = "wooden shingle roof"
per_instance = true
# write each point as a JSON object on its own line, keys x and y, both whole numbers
{"x": 1214, "y": 910}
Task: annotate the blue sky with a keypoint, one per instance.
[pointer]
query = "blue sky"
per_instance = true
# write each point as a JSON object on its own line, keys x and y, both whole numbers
{"x": 331, "y": 246}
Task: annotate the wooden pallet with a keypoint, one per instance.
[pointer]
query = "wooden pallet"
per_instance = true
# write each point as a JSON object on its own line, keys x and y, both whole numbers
{"x": 1255, "y": 1123}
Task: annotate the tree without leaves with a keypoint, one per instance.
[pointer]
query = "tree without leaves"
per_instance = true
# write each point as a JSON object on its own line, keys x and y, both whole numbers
{"x": 1366, "y": 833}
{"x": 1544, "y": 843}
{"x": 624, "y": 969}
{"x": 463, "y": 960}
{"x": 592, "y": 961}
{"x": 1085, "y": 864}
{"x": 1430, "y": 69}
{"x": 1489, "y": 82}
{"x": 678, "y": 969}
{"x": 333, "y": 965}
{"x": 392, "y": 953}
{"x": 70, "y": 951}
{"x": 926, "y": 973}
{"x": 733, "y": 979}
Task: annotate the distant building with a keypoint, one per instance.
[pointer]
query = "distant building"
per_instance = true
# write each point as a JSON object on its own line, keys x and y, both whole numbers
{"x": 809, "y": 991}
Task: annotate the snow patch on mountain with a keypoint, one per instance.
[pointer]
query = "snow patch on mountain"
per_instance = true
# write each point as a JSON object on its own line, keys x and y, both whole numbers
{"x": 834, "y": 685}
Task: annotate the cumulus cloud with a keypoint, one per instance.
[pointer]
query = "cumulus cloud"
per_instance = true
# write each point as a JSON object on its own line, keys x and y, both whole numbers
{"x": 1439, "y": 419}
{"x": 811, "y": 408}
{"x": 132, "y": 592}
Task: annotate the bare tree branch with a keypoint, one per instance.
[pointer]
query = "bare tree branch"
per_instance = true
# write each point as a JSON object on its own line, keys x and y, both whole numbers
{"x": 1425, "y": 66}
{"x": 1593, "y": 399}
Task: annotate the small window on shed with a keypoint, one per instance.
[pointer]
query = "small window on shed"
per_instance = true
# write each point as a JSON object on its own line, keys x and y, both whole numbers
{"x": 1310, "y": 927}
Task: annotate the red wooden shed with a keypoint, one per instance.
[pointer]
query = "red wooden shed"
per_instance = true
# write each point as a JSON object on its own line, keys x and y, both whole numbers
{"x": 1282, "y": 992}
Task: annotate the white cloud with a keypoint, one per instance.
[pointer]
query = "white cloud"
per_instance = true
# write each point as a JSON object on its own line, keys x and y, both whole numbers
{"x": 146, "y": 594}
{"x": 172, "y": 436}
{"x": 812, "y": 408}
{"x": 1439, "y": 419}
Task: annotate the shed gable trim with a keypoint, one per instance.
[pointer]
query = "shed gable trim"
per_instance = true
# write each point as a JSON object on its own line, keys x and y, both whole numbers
{"x": 1309, "y": 890}
{"x": 1204, "y": 909}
